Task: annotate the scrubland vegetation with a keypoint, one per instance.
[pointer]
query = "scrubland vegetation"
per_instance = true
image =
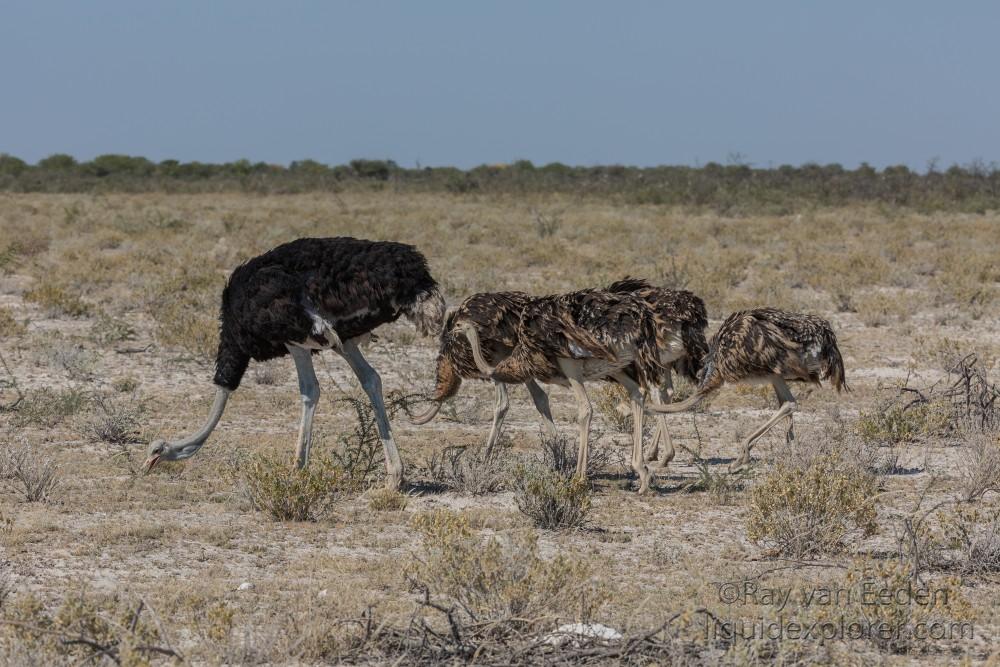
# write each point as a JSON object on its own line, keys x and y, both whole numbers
{"x": 108, "y": 322}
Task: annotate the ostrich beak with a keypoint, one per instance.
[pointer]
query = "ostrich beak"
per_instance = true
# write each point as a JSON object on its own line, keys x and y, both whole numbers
{"x": 151, "y": 462}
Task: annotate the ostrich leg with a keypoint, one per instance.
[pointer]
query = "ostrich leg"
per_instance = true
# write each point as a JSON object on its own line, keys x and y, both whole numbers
{"x": 638, "y": 464}
{"x": 662, "y": 449}
{"x": 541, "y": 401}
{"x": 574, "y": 374}
{"x": 500, "y": 407}
{"x": 309, "y": 388}
{"x": 372, "y": 384}
{"x": 787, "y": 405}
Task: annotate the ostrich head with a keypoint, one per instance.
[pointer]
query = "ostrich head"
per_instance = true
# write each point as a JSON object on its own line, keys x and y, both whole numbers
{"x": 161, "y": 450}
{"x": 178, "y": 450}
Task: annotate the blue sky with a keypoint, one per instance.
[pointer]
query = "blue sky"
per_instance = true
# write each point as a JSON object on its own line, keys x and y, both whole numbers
{"x": 464, "y": 83}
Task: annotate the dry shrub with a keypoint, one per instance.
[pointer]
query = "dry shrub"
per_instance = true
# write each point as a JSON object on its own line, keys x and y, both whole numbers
{"x": 899, "y": 609}
{"x": 266, "y": 374}
{"x": 897, "y": 420}
{"x": 500, "y": 579}
{"x": 560, "y": 454}
{"x": 29, "y": 474}
{"x": 387, "y": 500}
{"x": 9, "y": 326}
{"x": 980, "y": 465}
{"x": 972, "y": 534}
{"x": 107, "y": 330}
{"x": 84, "y": 629}
{"x": 551, "y": 500}
{"x": 288, "y": 493}
{"x": 6, "y": 576}
{"x": 48, "y": 408}
{"x": 116, "y": 420}
{"x": 57, "y": 300}
{"x": 805, "y": 512}
{"x": 469, "y": 470}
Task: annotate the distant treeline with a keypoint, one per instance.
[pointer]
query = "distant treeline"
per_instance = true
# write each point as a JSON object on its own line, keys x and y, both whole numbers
{"x": 733, "y": 188}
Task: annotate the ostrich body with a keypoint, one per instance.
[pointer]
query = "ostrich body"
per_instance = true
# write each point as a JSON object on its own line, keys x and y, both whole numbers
{"x": 496, "y": 317}
{"x": 570, "y": 339}
{"x": 772, "y": 346}
{"x": 681, "y": 319}
{"x": 308, "y": 295}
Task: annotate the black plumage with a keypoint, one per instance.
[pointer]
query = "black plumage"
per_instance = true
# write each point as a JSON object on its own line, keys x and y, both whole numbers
{"x": 353, "y": 284}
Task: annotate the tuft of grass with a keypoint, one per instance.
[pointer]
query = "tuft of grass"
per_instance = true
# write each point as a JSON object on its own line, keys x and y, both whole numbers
{"x": 48, "y": 408}
{"x": 9, "y": 326}
{"x": 806, "y": 512}
{"x": 549, "y": 499}
{"x": 57, "y": 301}
{"x": 387, "y": 500}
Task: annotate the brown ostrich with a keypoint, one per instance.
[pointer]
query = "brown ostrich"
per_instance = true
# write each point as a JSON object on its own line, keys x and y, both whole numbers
{"x": 570, "y": 339}
{"x": 681, "y": 319}
{"x": 771, "y": 346}
{"x": 496, "y": 316}
{"x": 309, "y": 295}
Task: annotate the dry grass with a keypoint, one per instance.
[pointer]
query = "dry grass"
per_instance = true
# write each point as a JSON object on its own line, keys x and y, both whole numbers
{"x": 114, "y": 294}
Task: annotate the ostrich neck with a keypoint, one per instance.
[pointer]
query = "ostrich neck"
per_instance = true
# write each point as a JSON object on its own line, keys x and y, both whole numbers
{"x": 684, "y": 405}
{"x": 186, "y": 447}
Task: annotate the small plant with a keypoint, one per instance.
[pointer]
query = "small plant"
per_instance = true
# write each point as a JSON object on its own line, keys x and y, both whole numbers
{"x": 387, "y": 500}
{"x": 559, "y": 454}
{"x": 973, "y": 534}
{"x": 287, "y": 493}
{"x": 6, "y": 580}
{"x": 107, "y": 330}
{"x": 28, "y": 474}
{"x": 547, "y": 224}
{"x": 550, "y": 499}
{"x": 469, "y": 470}
{"x": 57, "y": 301}
{"x": 116, "y": 420}
{"x": 266, "y": 375}
{"x": 980, "y": 465}
{"x": 807, "y": 512}
{"x": 48, "y": 408}
{"x": 77, "y": 362}
{"x": 497, "y": 579}
{"x": 721, "y": 486}
{"x": 894, "y": 423}
{"x": 885, "y": 596}
{"x": 9, "y": 326}
{"x": 125, "y": 385}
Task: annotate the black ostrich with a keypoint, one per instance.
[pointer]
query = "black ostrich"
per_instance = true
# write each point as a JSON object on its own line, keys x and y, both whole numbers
{"x": 309, "y": 295}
